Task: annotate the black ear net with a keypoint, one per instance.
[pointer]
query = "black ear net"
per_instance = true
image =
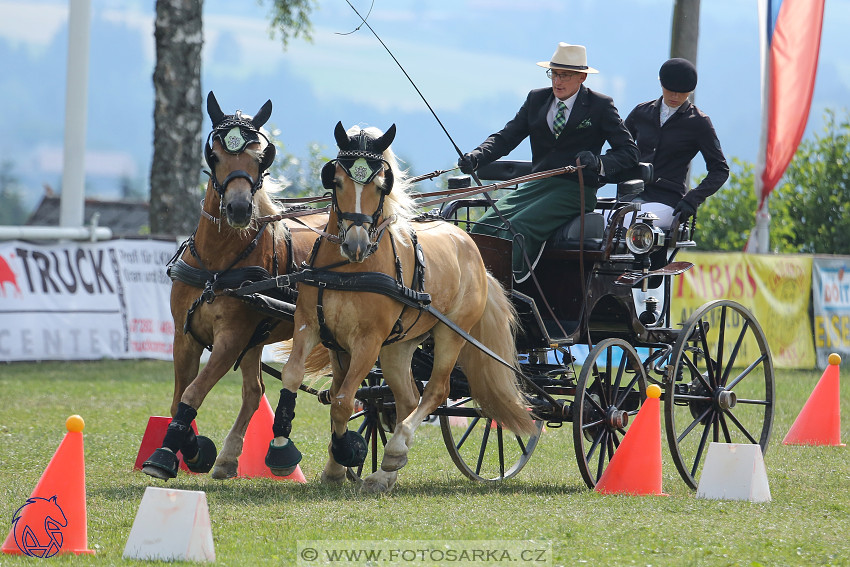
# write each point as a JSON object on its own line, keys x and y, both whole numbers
{"x": 209, "y": 156}
{"x": 388, "y": 181}
{"x": 267, "y": 159}
{"x": 328, "y": 174}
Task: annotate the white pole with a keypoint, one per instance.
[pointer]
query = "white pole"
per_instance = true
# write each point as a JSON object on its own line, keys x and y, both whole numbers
{"x": 76, "y": 109}
{"x": 759, "y": 241}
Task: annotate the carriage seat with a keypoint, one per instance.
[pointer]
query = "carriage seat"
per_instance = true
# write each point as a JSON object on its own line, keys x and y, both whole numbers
{"x": 568, "y": 236}
{"x": 629, "y": 183}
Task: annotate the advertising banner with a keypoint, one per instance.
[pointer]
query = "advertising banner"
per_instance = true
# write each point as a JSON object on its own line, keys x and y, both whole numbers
{"x": 774, "y": 288}
{"x": 831, "y": 306}
{"x": 85, "y": 300}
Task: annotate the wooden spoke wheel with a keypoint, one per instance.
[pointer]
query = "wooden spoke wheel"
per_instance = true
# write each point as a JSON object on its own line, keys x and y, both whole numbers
{"x": 609, "y": 392}
{"x": 719, "y": 385}
{"x": 480, "y": 448}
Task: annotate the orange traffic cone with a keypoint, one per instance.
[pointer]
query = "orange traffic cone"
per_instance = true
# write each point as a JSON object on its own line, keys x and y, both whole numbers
{"x": 819, "y": 422}
{"x": 152, "y": 440}
{"x": 53, "y": 520}
{"x": 252, "y": 462}
{"x": 635, "y": 467}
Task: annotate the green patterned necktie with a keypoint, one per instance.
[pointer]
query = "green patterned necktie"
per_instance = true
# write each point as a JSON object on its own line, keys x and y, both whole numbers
{"x": 560, "y": 119}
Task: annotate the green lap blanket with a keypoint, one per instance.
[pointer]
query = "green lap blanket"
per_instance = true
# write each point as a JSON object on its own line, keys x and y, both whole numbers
{"x": 535, "y": 210}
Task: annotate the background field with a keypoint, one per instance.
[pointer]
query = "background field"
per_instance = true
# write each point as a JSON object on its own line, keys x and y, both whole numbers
{"x": 260, "y": 521}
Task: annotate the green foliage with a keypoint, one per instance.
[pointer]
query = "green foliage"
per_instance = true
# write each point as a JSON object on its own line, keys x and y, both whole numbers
{"x": 809, "y": 209}
{"x": 725, "y": 219}
{"x": 290, "y": 19}
{"x": 303, "y": 178}
{"x": 816, "y": 191}
{"x": 12, "y": 211}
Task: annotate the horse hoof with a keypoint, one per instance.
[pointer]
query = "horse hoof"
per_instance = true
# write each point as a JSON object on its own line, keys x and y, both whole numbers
{"x": 205, "y": 458}
{"x": 391, "y": 463}
{"x": 332, "y": 479}
{"x": 162, "y": 464}
{"x": 349, "y": 450}
{"x": 224, "y": 470}
{"x": 378, "y": 483}
{"x": 283, "y": 460}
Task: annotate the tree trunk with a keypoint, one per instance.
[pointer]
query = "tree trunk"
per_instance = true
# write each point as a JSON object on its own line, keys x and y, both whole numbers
{"x": 178, "y": 117}
{"x": 684, "y": 36}
{"x": 684, "y": 39}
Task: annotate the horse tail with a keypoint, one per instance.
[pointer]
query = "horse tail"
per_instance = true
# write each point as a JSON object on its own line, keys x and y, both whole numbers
{"x": 492, "y": 384}
{"x": 317, "y": 364}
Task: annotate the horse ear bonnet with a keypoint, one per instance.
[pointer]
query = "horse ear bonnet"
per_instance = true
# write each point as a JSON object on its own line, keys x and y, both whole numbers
{"x": 361, "y": 156}
{"x": 328, "y": 174}
{"x": 267, "y": 159}
{"x": 236, "y": 131}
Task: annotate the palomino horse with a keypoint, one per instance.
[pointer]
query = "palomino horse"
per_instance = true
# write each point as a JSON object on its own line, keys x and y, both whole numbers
{"x": 373, "y": 210}
{"x": 230, "y": 246}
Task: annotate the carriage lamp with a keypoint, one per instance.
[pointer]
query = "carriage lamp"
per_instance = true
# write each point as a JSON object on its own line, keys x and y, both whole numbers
{"x": 643, "y": 236}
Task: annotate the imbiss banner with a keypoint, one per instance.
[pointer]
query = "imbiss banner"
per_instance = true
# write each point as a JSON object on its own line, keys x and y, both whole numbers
{"x": 85, "y": 301}
{"x": 775, "y": 288}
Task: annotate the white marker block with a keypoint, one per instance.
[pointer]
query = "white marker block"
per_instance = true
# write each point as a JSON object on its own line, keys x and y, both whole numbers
{"x": 734, "y": 472}
{"x": 171, "y": 525}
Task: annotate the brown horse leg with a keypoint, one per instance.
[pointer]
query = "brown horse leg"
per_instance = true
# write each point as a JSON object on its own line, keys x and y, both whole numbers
{"x": 395, "y": 365}
{"x": 447, "y": 346}
{"x": 187, "y": 361}
{"x": 396, "y": 368}
{"x": 198, "y": 451}
{"x": 227, "y": 463}
{"x": 282, "y": 456}
{"x": 347, "y": 444}
{"x": 334, "y": 473}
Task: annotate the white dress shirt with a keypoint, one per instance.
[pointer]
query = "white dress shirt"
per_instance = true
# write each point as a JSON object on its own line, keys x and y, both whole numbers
{"x": 550, "y": 116}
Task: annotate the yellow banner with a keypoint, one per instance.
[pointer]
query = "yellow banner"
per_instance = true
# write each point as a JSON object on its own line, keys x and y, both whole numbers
{"x": 775, "y": 288}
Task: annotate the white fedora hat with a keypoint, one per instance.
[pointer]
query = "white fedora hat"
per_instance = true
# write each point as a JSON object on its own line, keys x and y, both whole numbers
{"x": 570, "y": 58}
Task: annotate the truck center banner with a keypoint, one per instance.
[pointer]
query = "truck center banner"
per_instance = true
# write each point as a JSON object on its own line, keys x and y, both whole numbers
{"x": 85, "y": 300}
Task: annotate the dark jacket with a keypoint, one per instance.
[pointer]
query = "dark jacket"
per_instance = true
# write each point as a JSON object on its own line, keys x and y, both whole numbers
{"x": 593, "y": 121}
{"x": 670, "y": 149}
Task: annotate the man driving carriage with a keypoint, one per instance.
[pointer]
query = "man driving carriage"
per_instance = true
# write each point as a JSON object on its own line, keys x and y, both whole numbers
{"x": 564, "y": 123}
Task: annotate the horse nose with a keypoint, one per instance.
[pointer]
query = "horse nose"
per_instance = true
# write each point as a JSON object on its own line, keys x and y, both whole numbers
{"x": 239, "y": 213}
{"x": 355, "y": 253}
{"x": 355, "y": 247}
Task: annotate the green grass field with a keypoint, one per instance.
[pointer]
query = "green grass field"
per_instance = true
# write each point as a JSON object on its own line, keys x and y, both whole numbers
{"x": 261, "y": 521}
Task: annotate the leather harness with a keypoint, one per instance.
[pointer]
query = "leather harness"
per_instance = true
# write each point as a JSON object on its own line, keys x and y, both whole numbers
{"x": 211, "y": 281}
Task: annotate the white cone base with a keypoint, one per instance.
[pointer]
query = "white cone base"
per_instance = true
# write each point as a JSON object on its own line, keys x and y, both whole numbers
{"x": 171, "y": 525}
{"x": 734, "y": 472}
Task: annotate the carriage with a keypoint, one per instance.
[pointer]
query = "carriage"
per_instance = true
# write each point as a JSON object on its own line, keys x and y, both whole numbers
{"x": 586, "y": 352}
{"x": 714, "y": 367}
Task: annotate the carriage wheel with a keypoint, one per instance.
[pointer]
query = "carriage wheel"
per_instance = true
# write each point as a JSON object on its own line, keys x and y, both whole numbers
{"x": 481, "y": 449}
{"x": 610, "y": 389}
{"x": 719, "y": 385}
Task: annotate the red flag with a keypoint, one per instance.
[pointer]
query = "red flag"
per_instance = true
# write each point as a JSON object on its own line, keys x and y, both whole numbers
{"x": 793, "y": 44}
{"x": 790, "y": 34}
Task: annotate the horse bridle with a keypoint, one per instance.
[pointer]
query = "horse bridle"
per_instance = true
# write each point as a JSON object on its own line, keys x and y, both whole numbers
{"x": 234, "y": 134}
{"x": 361, "y": 167}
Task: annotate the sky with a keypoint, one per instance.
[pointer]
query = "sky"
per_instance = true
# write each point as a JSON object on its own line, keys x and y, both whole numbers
{"x": 473, "y": 61}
